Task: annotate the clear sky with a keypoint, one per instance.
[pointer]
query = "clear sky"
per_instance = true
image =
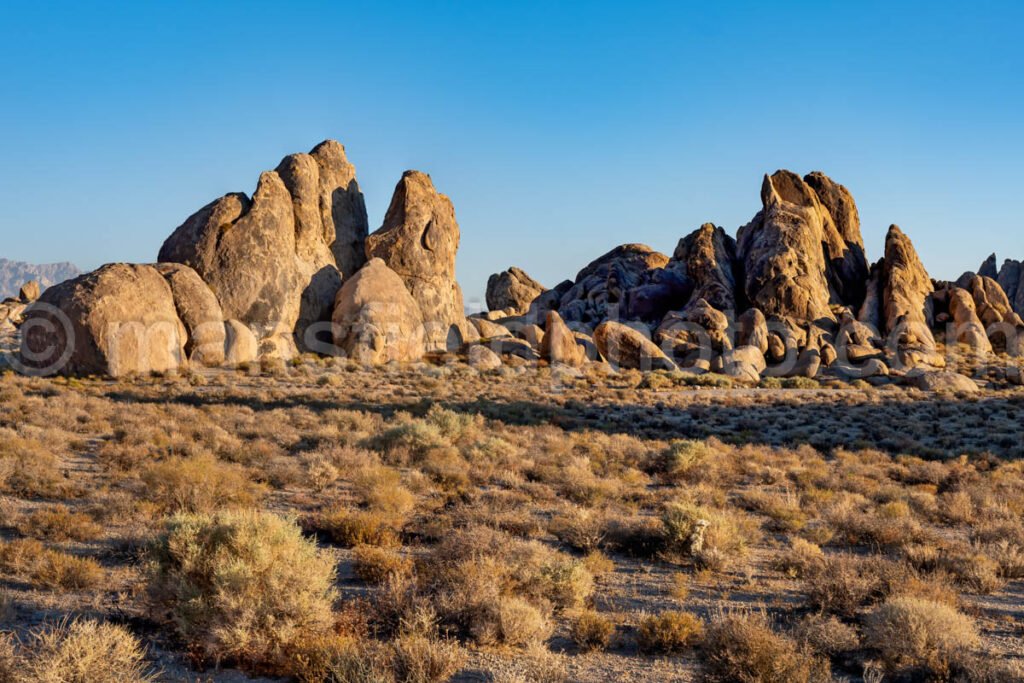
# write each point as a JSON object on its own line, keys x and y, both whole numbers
{"x": 558, "y": 129}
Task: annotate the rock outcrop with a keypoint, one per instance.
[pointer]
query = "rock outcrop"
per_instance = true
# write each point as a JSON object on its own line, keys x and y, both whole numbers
{"x": 200, "y": 313}
{"x": 782, "y": 254}
{"x": 512, "y": 290}
{"x": 376, "y": 319}
{"x": 29, "y": 292}
{"x": 418, "y": 241}
{"x": 1011, "y": 279}
{"x": 273, "y": 261}
{"x": 558, "y": 345}
{"x": 118, "y": 320}
{"x": 706, "y": 258}
{"x": 625, "y": 347}
{"x": 240, "y": 344}
{"x": 904, "y": 290}
{"x": 600, "y": 289}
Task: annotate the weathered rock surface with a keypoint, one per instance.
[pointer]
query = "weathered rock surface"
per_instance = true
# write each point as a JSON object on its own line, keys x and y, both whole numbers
{"x": 846, "y": 263}
{"x": 488, "y": 329}
{"x": 118, "y": 320}
{"x": 272, "y": 261}
{"x": 904, "y": 290}
{"x": 944, "y": 381}
{"x": 601, "y": 287}
{"x": 482, "y": 358}
{"x": 753, "y": 330}
{"x": 512, "y": 289}
{"x": 991, "y": 302}
{"x": 969, "y": 329}
{"x": 625, "y": 347}
{"x": 781, "y": 249}
{"x": 240, "y": 344}
{"x": 418, "y": 241}
{"x": 29, "y": 292}
{"x": 376, "y": 320}
{"x": 199, "y": 311}
{"x": 1011, "y": 279}
{"x": 558, "y": 345}
{"x": 707, "y": 259}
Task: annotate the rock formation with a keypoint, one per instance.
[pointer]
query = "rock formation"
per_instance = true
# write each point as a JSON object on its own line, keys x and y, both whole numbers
{"x": 707, "y": 259}
{"x": 119, "y": 320}
{"x": 558, "y": 345}
{"x": 601, "y": 287}
{"x": 29, "y": 292}
{"x": 376, "y": 319}
{"x": 418, "y": 241}
{"x": 273, "y": 261}
{"x": 513, "y": 291}
{"x": 626, "y": 347}
{"x": 904, "y": 289}
{"x": 199, "y": 312}
{"x": 782, "y": 254}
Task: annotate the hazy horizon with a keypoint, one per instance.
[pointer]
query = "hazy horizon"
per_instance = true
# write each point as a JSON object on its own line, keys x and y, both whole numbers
{"x": 558, "y": 132}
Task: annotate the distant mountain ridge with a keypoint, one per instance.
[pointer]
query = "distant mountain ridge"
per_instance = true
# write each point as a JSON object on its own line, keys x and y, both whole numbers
{"x": 13, "y": 274}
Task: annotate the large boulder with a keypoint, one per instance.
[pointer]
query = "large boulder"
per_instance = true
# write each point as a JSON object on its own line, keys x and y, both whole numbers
{"x": 273, "y": 261}
{"x": 118, "y": 320}
{"x": 707, "y": 259}
{"x": 847, "y": 266}
{"x": 781, "y": 250}
{"x": 968, "y": 327}
{"x": 200, "y": 313}
{"x": 601, "y": 288}
{"x": 376, "y": 319}
{"x": 558, "y": 345}
{"x": 512, "y": 289}
{"x": 240, "y": 344}
{"x": 991, "y": 302}
{"x": 946, "y": 381}
{"x": 418, "y": 241}
{"x": 1011, "y": 279}
{"x": 904, "y": 291}
{"x": 29, "y": 292}
{"x": 626, "y": 347}
{"x": 753, "y": 329}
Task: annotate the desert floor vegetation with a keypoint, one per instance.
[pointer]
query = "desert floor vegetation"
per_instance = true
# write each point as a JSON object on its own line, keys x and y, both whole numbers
{"x": 322, "y": 522}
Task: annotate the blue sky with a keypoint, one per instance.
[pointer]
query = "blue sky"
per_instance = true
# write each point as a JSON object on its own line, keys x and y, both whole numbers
{"x": 559, "y": 129}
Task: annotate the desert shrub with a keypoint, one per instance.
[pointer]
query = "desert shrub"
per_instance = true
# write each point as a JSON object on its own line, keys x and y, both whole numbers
{"x": 743, "y": 647}
{"x": 681, "y": 459}
{"x": 49, "y": 569}
{"x": 842, "y": 584}
{"x": 84, "y": 651}
{"x": 339, "y": 658}
{"x": 723, "y": 537}
{"x": 59, "y": 524}
{"x": 419, "y": 659}
{"x": 242, "y": 586}
{"x": 598, "y": 564}
{"x": 783, "y": 510}
{"x": 580, "y": 528}
{"x": 668, "y": 632}
{"x": 1009, "y": 556}
{"x": 10, "y": 662}
{"x": 29, "y": 469}
{"x": 198, "y": 484}
{"x": 380, "y": 488}
{"x": 827, "y": 635}
{"x": 634, "y": 535}
{"x": 375, "y": 565}
{"x": 591, "y": 630}
{"x": 492, "y": 587}
{"x": 799, "y": 558}
{"x": 915, "y": 633}
{"x": 350, "y": 527}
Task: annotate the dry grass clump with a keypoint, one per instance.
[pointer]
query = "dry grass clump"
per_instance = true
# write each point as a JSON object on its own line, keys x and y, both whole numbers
{"x": 83, "y": 651}
{"x": 494, "y": 588}
{"x": 28, "y": 468}
{"x": 715, "y": 539}
{"x": 913, "y": 633}
{"x": 49, "y": 569}
{"x": 350, "y": 527}
{"x": 827, "y": 635}
{"x": 198, "y": 484}
{"x": 57, "y": 523}
{"x": 418, "y": 659}
{"x": 376, "y": 565}
{"x": 743, "y": 647}
{"x": 242, "y": 586}
{"x": 669, "y": 632}
{"x": 591, "y": 630}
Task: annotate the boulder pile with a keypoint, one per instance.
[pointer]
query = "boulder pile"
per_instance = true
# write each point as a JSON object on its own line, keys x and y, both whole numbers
{"x": 294, "y": 268}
